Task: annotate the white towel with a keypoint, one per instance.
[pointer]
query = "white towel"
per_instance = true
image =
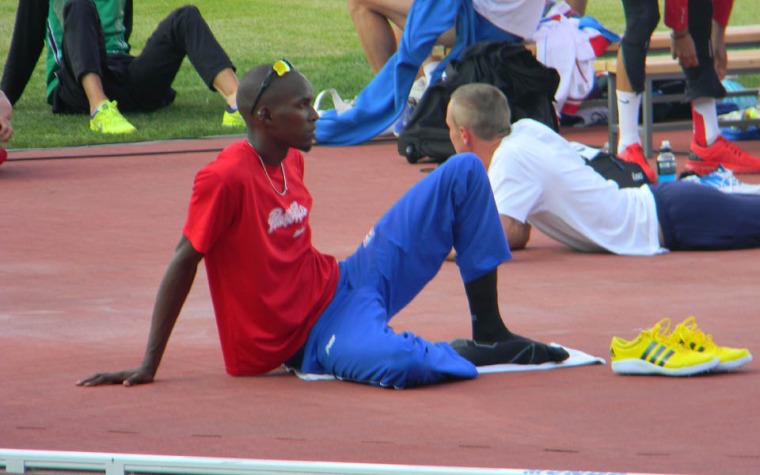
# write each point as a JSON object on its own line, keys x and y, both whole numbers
{"x": 577, "y": 358}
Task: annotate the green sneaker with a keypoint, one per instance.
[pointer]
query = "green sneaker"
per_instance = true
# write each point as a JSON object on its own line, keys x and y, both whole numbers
{"x": 108, "y": 120}
{"x": 232, "y": 119}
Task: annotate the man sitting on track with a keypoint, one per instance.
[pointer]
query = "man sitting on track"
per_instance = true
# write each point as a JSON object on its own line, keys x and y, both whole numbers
{"x": 279, "y": 301}
{"x": 539, "y": 180}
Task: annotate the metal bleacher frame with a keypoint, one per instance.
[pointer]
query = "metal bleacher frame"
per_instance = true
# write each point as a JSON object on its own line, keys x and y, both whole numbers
{"x": 742, "y": 59}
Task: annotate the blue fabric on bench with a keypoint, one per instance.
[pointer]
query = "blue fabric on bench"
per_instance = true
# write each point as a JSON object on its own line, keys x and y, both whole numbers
{"x": 383, "y": 100}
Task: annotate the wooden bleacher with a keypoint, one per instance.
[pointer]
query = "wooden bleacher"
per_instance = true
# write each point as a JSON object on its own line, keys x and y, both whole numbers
{"x": 736, "y": 37}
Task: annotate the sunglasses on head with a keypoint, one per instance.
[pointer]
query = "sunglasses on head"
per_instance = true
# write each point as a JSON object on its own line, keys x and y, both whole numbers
{"x": 280, "y": 68}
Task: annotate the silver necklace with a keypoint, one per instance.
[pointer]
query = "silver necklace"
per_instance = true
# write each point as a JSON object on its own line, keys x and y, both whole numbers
{"x": 282, "y": 168}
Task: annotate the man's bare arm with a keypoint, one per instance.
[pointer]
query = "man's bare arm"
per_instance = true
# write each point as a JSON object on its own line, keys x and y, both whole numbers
{"x": 518, "y": 233}
{"x": 720, "y": 54}
{"x": 6, "y": 111}
{"x": 174, "y": 288}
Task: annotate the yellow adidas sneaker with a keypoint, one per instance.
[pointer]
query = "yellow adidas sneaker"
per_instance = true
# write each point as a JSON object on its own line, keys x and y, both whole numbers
{"x": 690, "y": 335}
{"x": 655, "y": 352}
{"x": 108, "y": 120}
{"x": 232, "y": 119}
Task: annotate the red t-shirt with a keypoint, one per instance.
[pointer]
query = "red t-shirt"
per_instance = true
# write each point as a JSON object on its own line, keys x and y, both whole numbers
{"x": 268, "y": 283}
{"x": 677, "y": 13}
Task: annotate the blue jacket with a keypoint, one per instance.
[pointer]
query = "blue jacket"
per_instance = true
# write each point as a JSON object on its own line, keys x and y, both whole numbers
{"x": 383, "y": 100}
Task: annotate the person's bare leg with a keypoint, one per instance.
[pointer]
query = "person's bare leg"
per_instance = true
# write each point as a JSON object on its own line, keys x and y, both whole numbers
{"x": 93, "y": 88}
{"x": 578, "y": 6}
{"x": 226, "y": 83}
{"x": 628, "y": 108}
{"x": 110, "y": 123}
{"x": 621, "y": 81}
{"x": 629, "y": 102}
{"x": 373, "y": 19}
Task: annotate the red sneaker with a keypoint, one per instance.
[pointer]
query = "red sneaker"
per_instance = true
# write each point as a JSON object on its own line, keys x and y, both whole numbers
{"x": 635, "y": 154}
{"x": 703, "y": 160}
{"x": 3, "y": 155}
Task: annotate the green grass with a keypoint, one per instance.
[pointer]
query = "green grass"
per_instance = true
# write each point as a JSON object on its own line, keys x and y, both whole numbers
{"x": 316, "y": 35}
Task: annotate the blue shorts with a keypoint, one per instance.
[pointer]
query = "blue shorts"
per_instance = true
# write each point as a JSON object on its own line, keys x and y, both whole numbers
{"x": 452, "y": 207}
{"x": 695, "y": 217}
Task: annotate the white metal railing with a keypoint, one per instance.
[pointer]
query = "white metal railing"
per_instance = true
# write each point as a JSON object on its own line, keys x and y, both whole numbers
{"x": 19, "y": 461}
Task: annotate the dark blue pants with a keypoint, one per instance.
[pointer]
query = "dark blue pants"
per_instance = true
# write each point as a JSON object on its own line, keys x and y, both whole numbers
{"x": 695, "y": 217}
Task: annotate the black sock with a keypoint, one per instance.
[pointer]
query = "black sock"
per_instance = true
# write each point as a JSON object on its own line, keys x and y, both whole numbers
{"x": 487, "y": 325}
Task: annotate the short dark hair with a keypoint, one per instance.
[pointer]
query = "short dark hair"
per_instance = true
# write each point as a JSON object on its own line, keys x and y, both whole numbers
{"x": 483, "y": 109}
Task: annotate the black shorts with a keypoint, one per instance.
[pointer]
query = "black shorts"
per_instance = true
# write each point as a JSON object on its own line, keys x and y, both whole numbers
{"x": 642, "y": 17}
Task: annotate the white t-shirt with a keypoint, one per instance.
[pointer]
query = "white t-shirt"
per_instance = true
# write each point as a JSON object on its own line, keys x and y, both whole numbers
{"x": 538, "y": 178}
{"x": 519, "y": 17}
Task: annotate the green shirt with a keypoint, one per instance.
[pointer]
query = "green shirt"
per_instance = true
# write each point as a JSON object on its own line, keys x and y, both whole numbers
{"x": 111, "y": 14}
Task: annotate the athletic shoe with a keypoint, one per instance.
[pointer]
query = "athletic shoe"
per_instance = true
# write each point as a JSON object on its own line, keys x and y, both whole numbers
{"x": 108, "y": 120}
{"x": 724, "y": 180}
{"x": 654, "y": 352}
{"x": 3, "y": 155}
{"x": 232, "y": 119}
{"x": 690, "y": 335}
{"x": 703, "y": 160}
{"x": 515, "y": 350}
{"x": 635, "y": 154}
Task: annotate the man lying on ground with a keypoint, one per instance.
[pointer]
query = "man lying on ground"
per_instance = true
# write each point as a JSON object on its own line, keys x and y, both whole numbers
{"x": 539, "y": 180}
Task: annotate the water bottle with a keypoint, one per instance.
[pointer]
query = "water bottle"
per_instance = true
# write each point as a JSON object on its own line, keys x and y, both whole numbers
{"x": 666, "y": 163}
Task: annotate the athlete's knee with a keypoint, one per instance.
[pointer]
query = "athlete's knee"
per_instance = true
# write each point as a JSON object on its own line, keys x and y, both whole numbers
{"x": 639, "y": 27}
{"x": 468, "y": 174}
{"x": 465, "y": 165}
{"x": 187, "y": 12}
{"x": 355, "y": 5}
{"x": 78, "y": 9}
{"x": 375, "y": 7}
{"x": 466, "y": 159}
{"x": 650, "y": 22}
{"x": 75, "y": 4}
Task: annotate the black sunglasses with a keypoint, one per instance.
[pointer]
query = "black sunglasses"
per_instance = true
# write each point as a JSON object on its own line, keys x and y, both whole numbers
{"x": 280, "y": 67}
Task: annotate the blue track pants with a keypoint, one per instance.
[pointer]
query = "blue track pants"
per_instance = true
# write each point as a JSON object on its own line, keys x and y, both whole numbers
{"x": 453, "y": 206}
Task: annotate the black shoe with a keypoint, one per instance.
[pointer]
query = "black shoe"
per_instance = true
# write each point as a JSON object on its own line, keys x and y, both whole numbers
{"x": 516, "y": 350}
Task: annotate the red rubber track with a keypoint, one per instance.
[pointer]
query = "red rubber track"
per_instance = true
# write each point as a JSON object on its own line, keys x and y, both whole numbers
{"x": 86, "y": 233}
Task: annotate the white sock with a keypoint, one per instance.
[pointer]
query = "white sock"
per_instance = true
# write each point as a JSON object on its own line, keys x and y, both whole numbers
{"x": 628, "y": 119}
{"x": 705, "y": 121}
